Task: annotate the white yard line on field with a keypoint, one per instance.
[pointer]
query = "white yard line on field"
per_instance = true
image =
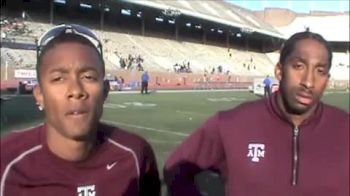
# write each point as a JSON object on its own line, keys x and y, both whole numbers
{"x": 336, "y": 92}
{"x": 164, "y": 141}
{"x": 148, "y": 128}
{"x": 190, "y": 112}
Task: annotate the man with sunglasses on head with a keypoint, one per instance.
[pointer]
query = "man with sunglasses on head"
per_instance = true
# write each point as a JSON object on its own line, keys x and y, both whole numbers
{"x": 287, "y": 144}
{"x": 73, "y": 153}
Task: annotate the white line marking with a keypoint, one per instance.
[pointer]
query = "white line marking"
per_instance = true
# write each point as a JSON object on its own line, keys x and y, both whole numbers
{"x": 335, "y": 92}
{"x": 163, "y": 141}
{"x": 225, "y": 99}
{"x": 140, "y": 104}
{"x": 113, "y": 106}
{"x": 189, "y": 112}
{"x": 28, "y": 128}
{"x": 148, "y": 128}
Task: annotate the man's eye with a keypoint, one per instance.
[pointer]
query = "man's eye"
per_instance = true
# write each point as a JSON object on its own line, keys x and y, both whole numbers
{"x": 89, "y": 77}
{"x": 298, "y": 66}
{"x": 321, "y": 71}
{"x": 57, "y": 79}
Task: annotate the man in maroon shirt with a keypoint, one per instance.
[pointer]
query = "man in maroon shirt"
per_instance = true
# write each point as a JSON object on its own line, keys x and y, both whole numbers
{"x": 289, "y": 144}
{"x": 72, "y": 153}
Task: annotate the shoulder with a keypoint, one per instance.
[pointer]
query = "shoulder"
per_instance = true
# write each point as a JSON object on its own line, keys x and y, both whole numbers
{"x": 123, "y": 137}
{"x": 244, "y": 110}
{"x": 333, "y": 113}
{"x": 19, "y": 143}
{"x": 20, "y": 140}
{"x": 237, "y": 116}
{"x": 125, "y": 140}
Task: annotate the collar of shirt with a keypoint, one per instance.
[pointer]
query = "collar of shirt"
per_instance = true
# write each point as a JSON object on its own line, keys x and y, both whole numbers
{"x": 277, "y": 112}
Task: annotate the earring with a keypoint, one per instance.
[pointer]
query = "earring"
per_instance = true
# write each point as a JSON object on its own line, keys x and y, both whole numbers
{"x": 40, "y": 107}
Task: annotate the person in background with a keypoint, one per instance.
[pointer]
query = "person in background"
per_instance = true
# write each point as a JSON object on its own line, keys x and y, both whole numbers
{"x": 19, "y": 88}
{"x": 286, "y": 144}
{"x": 73, "y": 152}
{"x": 267, "y": 86}
{"x": 144, "y": 82}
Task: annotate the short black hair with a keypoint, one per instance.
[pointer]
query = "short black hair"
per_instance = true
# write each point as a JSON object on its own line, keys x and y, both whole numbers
{"x": 289, "y": 45}
{"x": 64, "y": 38}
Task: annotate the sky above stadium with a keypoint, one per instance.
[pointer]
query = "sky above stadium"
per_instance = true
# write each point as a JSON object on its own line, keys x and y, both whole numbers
{"x": 301, "y": 6}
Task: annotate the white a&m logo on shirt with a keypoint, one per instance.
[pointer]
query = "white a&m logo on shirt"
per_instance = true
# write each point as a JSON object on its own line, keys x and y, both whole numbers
{"x": 88, "y": 190}
{"x": 255, "y": 151}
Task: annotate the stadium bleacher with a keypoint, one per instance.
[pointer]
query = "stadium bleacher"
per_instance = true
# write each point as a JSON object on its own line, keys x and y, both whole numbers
{"x": 163, "y": 55}
{"x": 18, "y": 58}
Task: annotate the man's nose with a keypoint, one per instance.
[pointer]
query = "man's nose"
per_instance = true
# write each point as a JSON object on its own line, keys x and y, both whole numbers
{"x": 308, "y": 79}
{"x": 76, "y": 90}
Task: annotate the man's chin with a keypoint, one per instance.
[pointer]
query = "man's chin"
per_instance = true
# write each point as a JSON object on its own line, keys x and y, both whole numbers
{"x": 81, "y": 138}
{"x": 299, "y": 109}
{"x": 80, "y": 131}
{"x": 80, "y": 134}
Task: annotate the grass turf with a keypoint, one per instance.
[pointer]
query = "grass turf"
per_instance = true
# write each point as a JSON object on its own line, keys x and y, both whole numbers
{"x": 163, "y": 119}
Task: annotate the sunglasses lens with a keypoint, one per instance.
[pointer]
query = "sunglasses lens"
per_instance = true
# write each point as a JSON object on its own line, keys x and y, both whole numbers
{"x": 85, "y": 31}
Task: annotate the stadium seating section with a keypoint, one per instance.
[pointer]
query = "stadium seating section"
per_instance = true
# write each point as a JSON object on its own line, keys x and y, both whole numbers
{"x": 171, "y": 63}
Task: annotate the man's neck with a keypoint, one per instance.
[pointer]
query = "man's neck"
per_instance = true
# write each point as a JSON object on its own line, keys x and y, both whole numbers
{"x": 69, "y": 149}
{"x": 295, "y": 119}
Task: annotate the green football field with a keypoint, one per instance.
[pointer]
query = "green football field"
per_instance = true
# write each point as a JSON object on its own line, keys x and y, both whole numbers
{"x": 163, "y": 118}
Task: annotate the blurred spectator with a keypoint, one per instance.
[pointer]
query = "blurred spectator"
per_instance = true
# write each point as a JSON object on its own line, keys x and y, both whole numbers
{"x": 219, "y": 69}
{"x": 144, "y": 82}
{"x": 139, "y": 67}
{"x": 267, "y": 86}
{"x": 182, "y": 68}
{"x": 121, "y": 82}
{"x": 21, "y": 88}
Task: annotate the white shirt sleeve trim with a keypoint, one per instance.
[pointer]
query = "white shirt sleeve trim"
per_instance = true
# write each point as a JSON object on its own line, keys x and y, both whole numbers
{"x": 129, "y": 150}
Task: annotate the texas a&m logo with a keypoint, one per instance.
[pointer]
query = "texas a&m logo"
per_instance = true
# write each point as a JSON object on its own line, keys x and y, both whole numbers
{"x": 88, "y": 190}
{"x": 256, "y": 151}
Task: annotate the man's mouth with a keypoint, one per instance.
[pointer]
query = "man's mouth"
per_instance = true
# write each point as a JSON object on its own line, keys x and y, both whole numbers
{"x": 76, "y": 113}
{"x": 304, "y": 98}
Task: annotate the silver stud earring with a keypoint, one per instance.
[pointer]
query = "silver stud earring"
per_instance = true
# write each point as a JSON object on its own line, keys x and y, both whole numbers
{"x": 40, "y": 107}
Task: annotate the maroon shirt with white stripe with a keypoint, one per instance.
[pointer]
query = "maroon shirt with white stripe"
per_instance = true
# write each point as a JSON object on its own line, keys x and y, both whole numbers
{"x": 122, "y": 164}
{"x": 260, "y": 153}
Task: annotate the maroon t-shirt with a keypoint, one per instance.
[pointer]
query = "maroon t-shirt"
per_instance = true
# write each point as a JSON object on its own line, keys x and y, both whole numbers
{"x": 122, "y": 164}
{"x": 253, "y": 147}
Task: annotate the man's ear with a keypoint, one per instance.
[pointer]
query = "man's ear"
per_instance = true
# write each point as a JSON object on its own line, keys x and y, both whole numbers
{"x": 278, "y": 71}
{"x": 106, "y": 88}
{"x": 38, "y": 95}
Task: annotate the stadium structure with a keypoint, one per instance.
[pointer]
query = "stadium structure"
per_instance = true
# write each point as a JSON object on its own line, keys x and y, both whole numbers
{"x": 183, "y": 44}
